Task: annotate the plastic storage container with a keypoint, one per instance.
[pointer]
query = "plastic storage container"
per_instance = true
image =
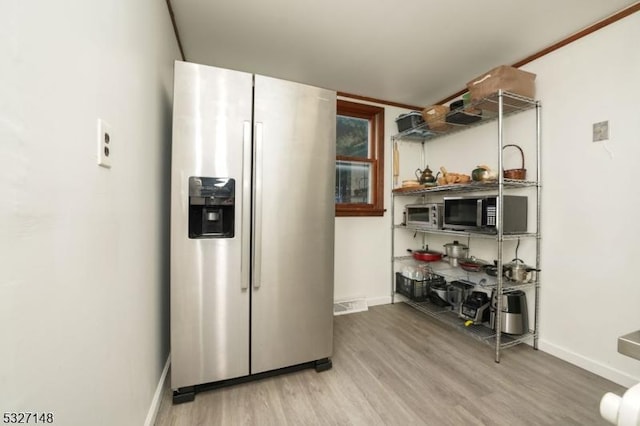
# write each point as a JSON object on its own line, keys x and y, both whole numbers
{"x": 409, "y": 121}
{"x": 416, "y": 290}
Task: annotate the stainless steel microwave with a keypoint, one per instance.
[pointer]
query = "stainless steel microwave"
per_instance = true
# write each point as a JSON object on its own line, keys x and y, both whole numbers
{"x": 480, "y": 214}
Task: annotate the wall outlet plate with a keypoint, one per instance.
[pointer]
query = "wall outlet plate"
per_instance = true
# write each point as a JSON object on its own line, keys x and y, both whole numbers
{"x": 601, "y": 131}
{"x": 105, "y": 142}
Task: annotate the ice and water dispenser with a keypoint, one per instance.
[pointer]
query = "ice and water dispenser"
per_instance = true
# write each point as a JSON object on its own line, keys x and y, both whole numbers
{"x": 211, "y": 207}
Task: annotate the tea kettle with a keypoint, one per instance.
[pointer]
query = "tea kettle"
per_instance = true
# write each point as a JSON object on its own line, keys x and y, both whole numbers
{"x": 426, "y": 175}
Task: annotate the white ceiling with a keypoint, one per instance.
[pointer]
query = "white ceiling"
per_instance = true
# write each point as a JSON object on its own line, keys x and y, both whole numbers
{"x": 414, "y": 52}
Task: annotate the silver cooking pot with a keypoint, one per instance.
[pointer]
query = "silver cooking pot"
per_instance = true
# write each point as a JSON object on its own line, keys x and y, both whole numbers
{"x": 517, "y": 271}
{"x": 456, "y": 251}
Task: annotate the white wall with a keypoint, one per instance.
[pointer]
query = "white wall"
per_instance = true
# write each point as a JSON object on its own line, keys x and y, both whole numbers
{"x": 590, "y": 250}
{"x": 84, "y": 250}
{"x": 362, "y": 251}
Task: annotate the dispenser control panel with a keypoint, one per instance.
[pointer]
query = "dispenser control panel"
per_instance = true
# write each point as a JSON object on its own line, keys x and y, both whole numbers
{"x": 211, "y": 207}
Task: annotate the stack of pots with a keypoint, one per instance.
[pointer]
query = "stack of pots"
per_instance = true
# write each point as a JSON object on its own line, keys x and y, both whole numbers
{"x": 456, "y": 251}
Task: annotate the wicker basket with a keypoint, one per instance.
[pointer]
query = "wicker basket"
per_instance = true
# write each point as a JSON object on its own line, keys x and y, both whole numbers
{"x": 519, "y": 174}
{"x": 435, "y": 117}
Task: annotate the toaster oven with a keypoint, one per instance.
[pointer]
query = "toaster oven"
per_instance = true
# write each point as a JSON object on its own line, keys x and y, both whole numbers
{"x": 427, "y": 216}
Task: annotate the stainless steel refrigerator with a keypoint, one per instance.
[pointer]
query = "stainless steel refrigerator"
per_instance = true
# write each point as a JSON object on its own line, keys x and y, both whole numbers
{"x": 252, "y": 227}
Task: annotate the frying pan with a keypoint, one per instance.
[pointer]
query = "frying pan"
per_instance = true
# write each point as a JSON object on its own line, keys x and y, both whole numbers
{"x": 472, "y": 264}
{"x": 426, "y": 255}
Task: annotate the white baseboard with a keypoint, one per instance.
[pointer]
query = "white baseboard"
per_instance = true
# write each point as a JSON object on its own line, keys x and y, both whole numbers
{"x": 373, "y": 301}
{"x": 595, "y": 367}
{"x": 157, "y": 397}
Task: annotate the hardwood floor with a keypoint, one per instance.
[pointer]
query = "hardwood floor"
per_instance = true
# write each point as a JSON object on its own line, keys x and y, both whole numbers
{"x": 394, "y": 366}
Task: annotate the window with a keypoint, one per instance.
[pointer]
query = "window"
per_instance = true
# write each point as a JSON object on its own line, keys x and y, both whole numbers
{"x": 359, "y": 159}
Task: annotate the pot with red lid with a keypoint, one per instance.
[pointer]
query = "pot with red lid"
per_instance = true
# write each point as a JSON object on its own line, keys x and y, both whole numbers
{"x": 456, "y": 251}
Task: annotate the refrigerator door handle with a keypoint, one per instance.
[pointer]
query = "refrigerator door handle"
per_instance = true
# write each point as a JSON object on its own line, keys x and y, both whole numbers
{"x": 257, "y": 229}
{"x": 245, "y": 213}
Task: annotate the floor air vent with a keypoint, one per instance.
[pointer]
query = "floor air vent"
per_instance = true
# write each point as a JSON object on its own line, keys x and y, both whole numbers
{"x": 349, "y": 306}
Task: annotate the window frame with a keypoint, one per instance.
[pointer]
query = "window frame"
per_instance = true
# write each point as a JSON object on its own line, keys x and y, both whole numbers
{"x": 375, "y": 116}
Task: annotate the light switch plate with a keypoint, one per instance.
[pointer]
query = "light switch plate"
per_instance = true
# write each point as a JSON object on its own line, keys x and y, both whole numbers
{"x": 601, "y": 131}
{"x": 105, "y": 142}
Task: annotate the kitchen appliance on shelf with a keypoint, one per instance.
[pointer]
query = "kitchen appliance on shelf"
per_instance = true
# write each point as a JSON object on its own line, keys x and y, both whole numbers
{"x": 427, "y": 216}
{"x": 476, "y": 307}
{"x": 252, "y": 189}
{"x": 439, "y": 293}
{"x": 515, "y": 317}
{"x": 459, "y": 290}
{"x": 480, "y": 214}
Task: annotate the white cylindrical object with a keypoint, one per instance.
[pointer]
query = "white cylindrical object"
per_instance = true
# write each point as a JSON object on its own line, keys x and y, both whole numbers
{"x": 609, "y": 407}
{"x": 623, "y": 411}
{"x": 629, "y": 414}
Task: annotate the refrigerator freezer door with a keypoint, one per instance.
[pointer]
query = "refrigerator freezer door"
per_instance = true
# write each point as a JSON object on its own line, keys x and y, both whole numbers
{"x": 209, "y": 306}
{"x": 292, "y": 291}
